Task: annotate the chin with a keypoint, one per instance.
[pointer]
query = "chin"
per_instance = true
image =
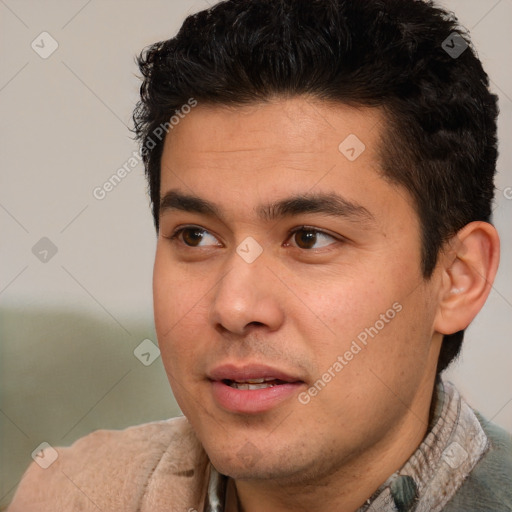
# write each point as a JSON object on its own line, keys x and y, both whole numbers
{"x": 246, "y": 461}
{"x": 249, "y": 470}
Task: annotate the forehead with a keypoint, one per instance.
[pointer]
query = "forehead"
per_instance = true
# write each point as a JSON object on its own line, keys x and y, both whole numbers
{"x": 280, "y": 128}
{"x": 252, "y": 154}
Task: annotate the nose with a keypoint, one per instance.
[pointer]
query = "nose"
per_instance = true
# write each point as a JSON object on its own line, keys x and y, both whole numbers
{"x": 248, "y": 295}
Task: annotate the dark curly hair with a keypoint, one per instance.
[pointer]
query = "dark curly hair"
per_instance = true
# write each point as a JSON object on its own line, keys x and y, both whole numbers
{"x": 440, "y": 138}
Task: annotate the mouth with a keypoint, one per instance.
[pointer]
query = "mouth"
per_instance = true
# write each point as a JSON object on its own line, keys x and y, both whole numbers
{"x": 252, "y": 389}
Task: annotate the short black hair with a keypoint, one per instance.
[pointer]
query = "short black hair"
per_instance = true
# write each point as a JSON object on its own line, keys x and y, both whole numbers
{"x": 410, "y": 58}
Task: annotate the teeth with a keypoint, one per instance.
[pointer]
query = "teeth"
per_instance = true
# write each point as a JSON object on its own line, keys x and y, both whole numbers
{"x": 255, "y": 381}
{"x": 249, "y": 385}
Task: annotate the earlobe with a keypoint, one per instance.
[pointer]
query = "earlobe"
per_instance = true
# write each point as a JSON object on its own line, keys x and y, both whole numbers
{"x": 469, "y": 266}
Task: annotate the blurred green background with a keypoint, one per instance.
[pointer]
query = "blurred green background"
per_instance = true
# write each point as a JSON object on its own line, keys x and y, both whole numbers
{"x": 65, "y": 374}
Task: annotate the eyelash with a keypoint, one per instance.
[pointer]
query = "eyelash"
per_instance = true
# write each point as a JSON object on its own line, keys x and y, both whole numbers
{"x": 177, "y": 232}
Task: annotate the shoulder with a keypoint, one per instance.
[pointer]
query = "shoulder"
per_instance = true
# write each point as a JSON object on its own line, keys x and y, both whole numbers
{"x": 144, "y": 467}
{"x": 489, "y": 486}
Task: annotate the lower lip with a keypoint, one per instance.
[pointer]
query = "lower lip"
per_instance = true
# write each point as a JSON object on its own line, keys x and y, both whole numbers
{"x": 252, "y": 401}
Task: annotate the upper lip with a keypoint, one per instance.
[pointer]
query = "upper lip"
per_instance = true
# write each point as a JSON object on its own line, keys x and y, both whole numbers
{"x": 250, "y": 372}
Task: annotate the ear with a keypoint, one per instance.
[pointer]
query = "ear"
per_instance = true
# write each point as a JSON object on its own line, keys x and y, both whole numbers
{"x": 468, "y": 267}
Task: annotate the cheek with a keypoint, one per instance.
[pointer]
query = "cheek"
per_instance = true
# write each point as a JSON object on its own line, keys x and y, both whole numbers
{"x": 179, "y": 309}
{"x": 370, "y": 313}
{"x": 339, "y": 307}
{"x": 165, "y": 304}
{"x": 175, "y": 291}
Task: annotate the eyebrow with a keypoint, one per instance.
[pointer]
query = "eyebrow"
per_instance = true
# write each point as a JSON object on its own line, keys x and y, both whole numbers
{"x": 330, "y": 204}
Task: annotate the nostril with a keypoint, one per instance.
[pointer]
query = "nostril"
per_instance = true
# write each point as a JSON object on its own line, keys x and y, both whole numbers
{"x": 255, "y": 324}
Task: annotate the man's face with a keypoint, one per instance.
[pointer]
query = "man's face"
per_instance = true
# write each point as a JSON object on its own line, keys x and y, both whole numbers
{"x": 300, "y": 265}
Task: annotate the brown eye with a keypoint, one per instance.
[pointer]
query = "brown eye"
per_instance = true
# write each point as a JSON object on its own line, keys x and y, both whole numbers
{"x": 309, "y": 238}
{"x": 192, "y": 236}
{"x": 305, "y": 239}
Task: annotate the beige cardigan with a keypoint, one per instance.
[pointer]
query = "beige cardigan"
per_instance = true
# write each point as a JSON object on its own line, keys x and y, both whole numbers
{"x": 154, "y": 467}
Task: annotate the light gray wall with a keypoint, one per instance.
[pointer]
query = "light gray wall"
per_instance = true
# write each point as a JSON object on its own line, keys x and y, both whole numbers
{"x": 69, "y": 326}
